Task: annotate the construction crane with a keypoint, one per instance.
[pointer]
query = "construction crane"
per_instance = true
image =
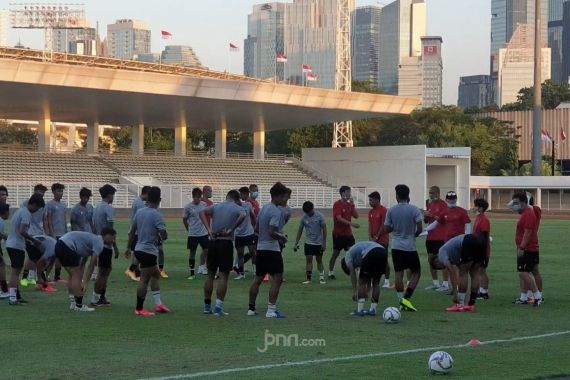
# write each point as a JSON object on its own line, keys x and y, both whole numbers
{"x": 343, "y": 130}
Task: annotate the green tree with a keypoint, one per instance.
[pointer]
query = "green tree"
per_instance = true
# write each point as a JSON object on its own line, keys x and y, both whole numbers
{"x": 552, "y": 95}
{"x": 13, "y": 135}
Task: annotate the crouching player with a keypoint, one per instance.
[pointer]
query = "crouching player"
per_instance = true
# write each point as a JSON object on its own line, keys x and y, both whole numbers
{"x": 372, "y": 259}
{"x": 463, "y": 256}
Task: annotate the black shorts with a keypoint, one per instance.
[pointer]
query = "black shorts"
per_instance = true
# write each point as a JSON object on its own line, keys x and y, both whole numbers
{"x": 17, "y": 257}
{"x": 66, "y": 256}
{"x": 220, "y": 256}
{"x": 313, "y": 250}
{"x": 473, "y": 249}
{"x": 433, "y": 246}
{"x": 245, "y": 241}
{"x": 403, "y": 260}
{"x": 374, "y": 264}
{"x": 105, "y": 258}
{"x": 268, "y": 262}
{"x": 146, "y": 260}
{"x": 343, "y": 242}
{"x": 527, "y": 261}
{"x": 34, "y": 253}
{"x": 193, "y": 242}
{"x": 134, "y": 243}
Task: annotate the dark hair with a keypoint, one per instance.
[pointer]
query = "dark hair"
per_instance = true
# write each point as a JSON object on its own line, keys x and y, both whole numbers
{"x": 244, "y": 190}
{"x": 108, "y": 231}
{"x": 145, "y": 190}
{"x": 521, "y": 196}
{"x": 451, "y": 195}
{"x": 289, "y": 192}
{"x": 253, "y": 185}
{"x": 530, "y": 199}
{"x": 374, "y": 195}
{"x": 234, "y": 195}
{"x": 308, "y": 206}
{"x": 402, "y": 192}
{"x": 278, "y": 189}
{"x": 107, "y": 190}
{"x": 37, "y": 200}
{"x": 343, "y": 188}
{"x": 481, "y": 203}
{"x": 3, "y": 188}
{"x": 154, "y": 194}
{"x": 57, "y": 186}
{"x": 85, "y": 192}
{"x": 196, "y": 192}
{"x": 4, "y": 208}
{"x": 40, "y": 187}
{"x": 344, "y": 266}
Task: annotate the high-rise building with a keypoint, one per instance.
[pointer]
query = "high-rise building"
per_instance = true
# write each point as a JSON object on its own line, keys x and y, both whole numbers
{"x": 410, "y": 77}
{"x": 366, "y": 44}
{"x": 516, "y": 65}
{"x": 147, "y": 57}
{"x": 402, "y": 23}
{"x": 310, "y": 39}
{"x": 125, "y": 38}
{"x": 566, "y": 43}
{"x": 555, "y": 29}
{"x": 180, "y": 55}
{"x": 265, "y": 40}
{"x": 4, "y": 26}
{"x": 506, "y": 15}
{"x": 75, "y": 41}
{"x": 474, "y": 91}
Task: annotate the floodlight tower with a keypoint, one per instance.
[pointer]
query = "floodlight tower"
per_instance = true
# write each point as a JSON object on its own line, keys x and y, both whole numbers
{"x": 343, "y": 130}
{"x": 48, "y": 17}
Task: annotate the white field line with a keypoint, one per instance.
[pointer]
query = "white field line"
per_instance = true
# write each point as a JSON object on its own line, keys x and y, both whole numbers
{"x": 351, "y": 357}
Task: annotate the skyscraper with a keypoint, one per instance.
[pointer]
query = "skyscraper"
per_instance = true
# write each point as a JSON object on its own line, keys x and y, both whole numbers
{"x": 555, "y": 28}
{"x": 180, "y": 55}
{"x": 310, "y": 39}
{"x": 84, "y": 41}
{"x": 4, "y": 25}
{"x": 366, "y": 44}
{"x": 474, "y": 91}
{"x": 125, "y": 38}
{"x": 566, "y": 43}
{"x": 432, "y": 71}
{"x": 402, "y": 23}
{"x": 265, "y": 39}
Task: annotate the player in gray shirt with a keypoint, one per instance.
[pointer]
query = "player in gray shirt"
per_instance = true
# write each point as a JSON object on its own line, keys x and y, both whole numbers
{"x": 133, "y": 271}
{"x": 81, "y": 215}
{"x": 29, "y": 275}
{"x": 315, "y": 226}
{"x": 4, "y": 215}
{"x": 197, "y": 232}
{"x": 404, "y": 222}
{"x": 245, "y": 234}
{"x": 55, "y": 221}
{"x": 226, "y": 217}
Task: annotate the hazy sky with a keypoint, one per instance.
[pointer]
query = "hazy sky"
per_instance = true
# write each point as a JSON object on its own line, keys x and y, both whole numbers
{"x": 209, "y": 25}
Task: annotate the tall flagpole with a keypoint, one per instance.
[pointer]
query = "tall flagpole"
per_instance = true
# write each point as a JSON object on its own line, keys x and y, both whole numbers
{"x": 537, "y": 112}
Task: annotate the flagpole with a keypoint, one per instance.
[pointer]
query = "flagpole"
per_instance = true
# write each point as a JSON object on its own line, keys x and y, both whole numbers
{"x": 553, "y": 159}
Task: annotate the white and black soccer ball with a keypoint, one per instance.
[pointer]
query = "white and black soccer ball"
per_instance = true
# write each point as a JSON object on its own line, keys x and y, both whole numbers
{"x": 440, "y": 362}
{"x": 391, "y": 315}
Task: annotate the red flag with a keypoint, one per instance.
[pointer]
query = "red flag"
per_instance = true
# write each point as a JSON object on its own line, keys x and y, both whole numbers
{"x": 562, "y": 135}
{"x": 307, "y": 69}
{"x": 312, "y": 77}
{"x": 545, "y": 136}
{"x": 281, "y": 58}
{"x": 233, "y": 47}
{"x": 166, "y": 35}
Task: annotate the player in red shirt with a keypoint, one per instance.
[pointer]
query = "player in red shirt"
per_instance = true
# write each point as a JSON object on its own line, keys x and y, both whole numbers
{"x": 376, "y": 218}
{"x": 536, "y": 272}
{"x": 482, "y": 229}
{"x": 343, "y": 211}
{"x": 253, "y": 195}
{"x": 526, "y": 240}
{"x": 436, "y": 207}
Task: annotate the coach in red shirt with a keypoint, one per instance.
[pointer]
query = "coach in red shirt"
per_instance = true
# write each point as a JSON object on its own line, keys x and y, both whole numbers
{"x": 455, "y": 218}
{"x": 343, "y": 212}
{"x": 436, "y": 207}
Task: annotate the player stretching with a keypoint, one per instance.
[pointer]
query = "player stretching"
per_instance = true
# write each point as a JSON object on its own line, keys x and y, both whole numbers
{"x": 343, "y": 211}
{"x": 245, "y": 234}
{"x": 372, "y": 259}
{"x": 149, "y": 228}
{"x": 226, "y": 217}
{"x": 376, "y": 219}
{"x": 404, "y": 221}
{"x": 315, "y": 240}
{"x": 482, "y": 229}
{"x": 436, "y": 207}
{"x": 29, "y": 275}
{"x": 269, "y": 259}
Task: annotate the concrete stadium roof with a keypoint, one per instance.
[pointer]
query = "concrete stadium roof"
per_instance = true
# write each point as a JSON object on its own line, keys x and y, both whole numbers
{"x": 30, "y": 90}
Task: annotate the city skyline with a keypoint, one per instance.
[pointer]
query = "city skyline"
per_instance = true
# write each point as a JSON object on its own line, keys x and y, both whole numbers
{"x": 447, "y": 18}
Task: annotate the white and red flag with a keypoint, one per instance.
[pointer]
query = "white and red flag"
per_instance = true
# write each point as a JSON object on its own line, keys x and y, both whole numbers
{"x": 233, "y": 47}
{"x": 165, "y": 35}
{"x": 281, "y": 58}
{"x": 545, "y": 136}
{"x": 307, "y": 69}
{"x": 312, "y": 77}
{"x": 562, "y": 135}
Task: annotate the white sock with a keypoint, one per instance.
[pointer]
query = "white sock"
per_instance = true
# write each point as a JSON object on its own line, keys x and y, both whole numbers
{"x": 71, "y": 298}
{"x": 483, "y": 290}
{"x": 271, "y": 308}
{"x": 373, "y": 306}
{"x": 360, "y": 304}
{"x": 219, "y": 303}
{"x": 95, "y": 297}
{"x": 446, "y": 284}
{"x": 435, "y": 283}
{"x": 13, "y": 292}
{"x": 461, "y": 298}
{"x": 538, "y": 295}
{"x": 524, "y": 296}
{"x": 322, "y": 275}
{"x": 331, "y": 272}
{"x": 156, "y": 296}
{"x": 400, "y": 295}
{"x": 529, "y": 293}
{"x": 32, "y": 275}
{"x": 386, "y": 282}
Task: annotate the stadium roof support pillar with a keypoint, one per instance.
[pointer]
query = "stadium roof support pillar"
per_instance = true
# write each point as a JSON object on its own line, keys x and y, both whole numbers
{"x": 538, "y": 197}
{"x": 221, "y": 140}
{"x": 93, "y": 137}
{"x": 259, "y": 145}
{"x": 137, "y": 139}
{"x": 180, "y": 135}
{"x": 44, "y": 134}
{"x": 71, "y": 136}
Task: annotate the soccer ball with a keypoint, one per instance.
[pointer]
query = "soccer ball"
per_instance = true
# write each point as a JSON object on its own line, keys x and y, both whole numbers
{"x": 391, "y": 315}
{"x": 440, "y": 362}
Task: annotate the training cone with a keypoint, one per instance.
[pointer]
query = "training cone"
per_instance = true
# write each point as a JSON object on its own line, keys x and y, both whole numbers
{"x": 474, "y": 342}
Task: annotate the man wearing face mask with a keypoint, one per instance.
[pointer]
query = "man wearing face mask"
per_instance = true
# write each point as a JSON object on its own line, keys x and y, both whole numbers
{"x": 526, "y": 240}
{"x": 436, "y": 207}
{"x": 253, "y": 195}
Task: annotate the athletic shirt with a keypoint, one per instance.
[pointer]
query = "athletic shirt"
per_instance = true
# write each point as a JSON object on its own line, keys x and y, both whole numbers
{"x": 246, "y": 228}
{"x": 538, "y": 213}
{"x": 208, "y": 203}
{"x": 313, "y": 228}
{"x": 454, "y": 221}
{"x": 21, "y": 217}
{"x": 136, "y": 206}
{"x": 269, "y": 216}
{"x": 358, "y": 252}
{"x": 80, "y": 217}
{"x": 376, "y": 219}
{"x": 55, "y": 212}
{"x": 47, "y": 246}
{"x": 149, "y": 222}
{"x": 255, "y": 205}
{"x": 481, "y": 225}
{"x": 344, "y": 210}
{"x": 84, "y": 244}
{"x": 224, "y": 216}
{"x": 528, "y": 221}
{"x": 403, "y": 219}
{"x": 36, "y": 221}
{"x": 192, "y": 215}
{"x": 103, "y": 217}
{"x": 437, "y": 208}
{"x": 287, "y": 212}
{"x": 450, "y": 252}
